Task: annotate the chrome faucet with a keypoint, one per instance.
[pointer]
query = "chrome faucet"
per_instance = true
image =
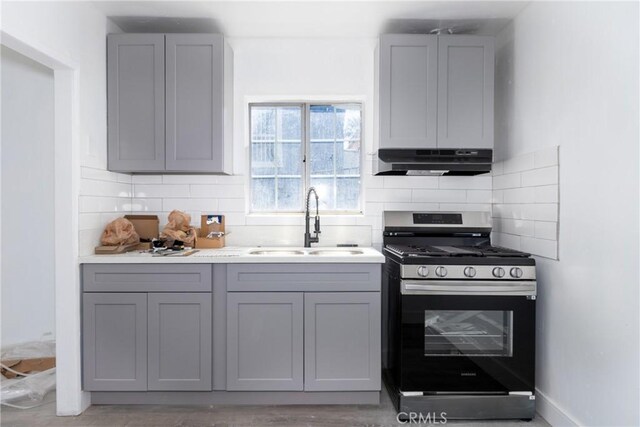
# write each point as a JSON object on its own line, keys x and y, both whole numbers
{"x": 308, "y": 239}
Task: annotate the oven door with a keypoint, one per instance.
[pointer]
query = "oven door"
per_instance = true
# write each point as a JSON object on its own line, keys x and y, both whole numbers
{"x": 467, "y": 337}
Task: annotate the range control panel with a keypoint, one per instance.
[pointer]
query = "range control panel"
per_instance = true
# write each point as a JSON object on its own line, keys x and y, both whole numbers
{"x": 437, "y": 218}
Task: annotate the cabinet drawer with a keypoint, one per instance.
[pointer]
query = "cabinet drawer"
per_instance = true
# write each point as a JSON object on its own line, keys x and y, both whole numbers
{"x": 146, "y": 278}
{"x": 303, "y": 277}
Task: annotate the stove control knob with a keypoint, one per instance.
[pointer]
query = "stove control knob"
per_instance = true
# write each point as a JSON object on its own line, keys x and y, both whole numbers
{"x": 423, "y": 271}
{"x": 441, "y": 271}
{"x": 498, "y": 272}
{"x": 516, "y": 272}
{"x": 470, "y": 272}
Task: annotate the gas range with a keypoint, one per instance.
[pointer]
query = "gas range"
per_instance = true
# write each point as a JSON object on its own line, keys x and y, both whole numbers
{"x": 458, "y": 318}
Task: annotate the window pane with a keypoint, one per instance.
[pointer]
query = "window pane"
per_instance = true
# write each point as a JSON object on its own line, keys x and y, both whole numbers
{"x": 289, "y": 194}
{"x": 289, "y": 124}
{"x": 321, "y": 154}
{"x": 347, "y": 194}
{"x": 324, "y": 187}
{"x": 263, "y": 158}
{"x": 263, "y": 194}
{"x": 263, "y": 124}
{"x": 290, "y": 158}
{"x": 322, "y": 122}
{"x": 276, "y": 158}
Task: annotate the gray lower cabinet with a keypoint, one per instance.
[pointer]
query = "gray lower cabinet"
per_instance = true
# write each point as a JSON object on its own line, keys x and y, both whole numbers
{"x": 114, "y": 339}
{"x": 342, "y": 341}
{"x": 147, "y": 341}
{"x": 265, "y": 341}
{"x": 179, "y": 341}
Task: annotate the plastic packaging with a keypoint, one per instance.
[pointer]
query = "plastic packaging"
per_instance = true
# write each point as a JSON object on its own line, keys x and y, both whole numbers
{"x": 29, "y": 390}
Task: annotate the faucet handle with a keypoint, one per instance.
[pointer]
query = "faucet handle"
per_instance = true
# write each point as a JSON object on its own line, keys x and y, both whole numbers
{"x": 317, "y": 225}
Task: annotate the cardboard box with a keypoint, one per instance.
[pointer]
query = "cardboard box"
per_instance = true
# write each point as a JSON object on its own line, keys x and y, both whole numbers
{"x": 210, "y": 224}
{"x": 24, "y": 366}
{"x": 147, "y": 226}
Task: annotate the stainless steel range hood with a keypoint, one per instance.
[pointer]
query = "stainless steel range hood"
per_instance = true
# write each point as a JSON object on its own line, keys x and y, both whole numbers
{"x": 463, "y": 161}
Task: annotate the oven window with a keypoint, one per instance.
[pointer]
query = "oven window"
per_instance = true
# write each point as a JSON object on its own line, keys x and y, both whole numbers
{"x": 468, "y": 333}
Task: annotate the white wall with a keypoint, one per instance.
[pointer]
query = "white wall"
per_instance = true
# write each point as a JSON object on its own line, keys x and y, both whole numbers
{"x": 72, "y": 36}
{"x": 332, "y": 69}
{"x": 77, "y": 31}
{"x": 568, "y": 75}
{"x": 27, "y": 200}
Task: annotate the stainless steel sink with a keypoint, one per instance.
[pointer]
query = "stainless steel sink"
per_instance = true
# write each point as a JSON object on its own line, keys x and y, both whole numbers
{"x": 336, "y": 252}
{"x": 281, "y": 252}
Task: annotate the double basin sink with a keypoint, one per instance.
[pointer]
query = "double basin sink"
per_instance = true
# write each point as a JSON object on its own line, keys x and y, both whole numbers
{"x": 315, "y": 252}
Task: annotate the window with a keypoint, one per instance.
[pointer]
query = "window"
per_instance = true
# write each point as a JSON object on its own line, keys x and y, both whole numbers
{"x": 294, "y": 146}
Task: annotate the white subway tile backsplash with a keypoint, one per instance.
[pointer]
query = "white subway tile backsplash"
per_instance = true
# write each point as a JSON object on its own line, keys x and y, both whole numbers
{"x": 501, "y": 182}
{"x": 389, "y": 195}
{"x": 546, "y": 157}
{"x": 410, "y": 182}
{"x": 478, "y": 196}
{"x": 506, "y": 240}
{"x": 546, "y": 194}
{"x": 525, "y": 203}
{"x": 411, "y": 206}
{"x": 546, "y": 230}
{"x": 481, "y": 182}
{"x": 189, "y": 179}
{"x": 146, "y": 179}
{"x": 519, "y": 195}
{"x": 541, "y": 247}
{"x": 235, "y": 191}
{"x": 497, "y": 168}
{"x": 231, "y": 205}
{"x": 146, "y": 205}
{"x": 91, "y": 187}
{"x": 439, "y": 196}
{"x": 519, "y": 163}
{"x": 155, "y": 191}
{"x": 273, "y": 220}
{"x": 191, "y": 204}
{"x": 544, "y": 176}
{"x": 97, "y": 204}
{"x": 373, "y": 208}
{"x": 465, "y": 207}
{"x": 519, "y": 227}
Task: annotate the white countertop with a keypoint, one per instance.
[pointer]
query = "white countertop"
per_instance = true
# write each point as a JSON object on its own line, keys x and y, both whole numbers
{"x": 235, "y": 255}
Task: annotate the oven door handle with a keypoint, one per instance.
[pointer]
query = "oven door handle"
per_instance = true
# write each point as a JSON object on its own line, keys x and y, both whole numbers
{"x": 468, "y": 287}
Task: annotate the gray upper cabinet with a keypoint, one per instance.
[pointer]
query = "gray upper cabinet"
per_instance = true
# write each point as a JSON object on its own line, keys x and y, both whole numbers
{"x": 342, "y": 341}
{"x": 170, "y": 103}
{"x": 435, "y": 91}
{"x": 408, "y": 78}
{"x": 135, "y": 70}
{"x": 265, "y": 341}
{"x": 465, "y": 91}
{"x": 114, "y": 341}
{"x": 195, "y": 90}
{"x": 179, "y": 341}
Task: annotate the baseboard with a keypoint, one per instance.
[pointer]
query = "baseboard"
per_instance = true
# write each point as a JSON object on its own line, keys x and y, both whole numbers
{"x": 553, "y": 413}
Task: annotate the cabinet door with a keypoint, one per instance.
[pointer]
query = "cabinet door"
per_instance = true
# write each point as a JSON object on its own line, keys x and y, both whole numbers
{"x": 180, "y": 341}
{"x": 408, "y": 90}
{"x": 135, "y": 79}
{"x": 465, "y": 91}
{"x": 114, "y": 339}
{"x": 194, "y": 107}
{"x": 264, "y": 341}
{"x": 342, "y": 341}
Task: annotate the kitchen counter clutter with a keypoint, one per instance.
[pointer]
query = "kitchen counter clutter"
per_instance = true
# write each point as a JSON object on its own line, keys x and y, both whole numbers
{"x": 257, "y": 255}
{"x": 237, "y": 325}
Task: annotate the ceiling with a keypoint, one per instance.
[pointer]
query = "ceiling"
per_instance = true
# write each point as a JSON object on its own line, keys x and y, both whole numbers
{"x": 328, "y": 18}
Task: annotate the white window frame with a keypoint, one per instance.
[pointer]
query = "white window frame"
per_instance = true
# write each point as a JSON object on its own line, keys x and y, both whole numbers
{"x": 305, "y": 154}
